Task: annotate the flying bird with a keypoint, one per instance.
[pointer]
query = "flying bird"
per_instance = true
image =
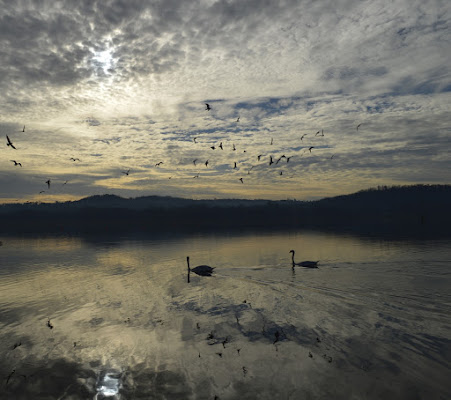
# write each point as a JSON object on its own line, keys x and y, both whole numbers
{"x": 9, "y": 376}
{"x": 16, "y": 163}
{"x": 207, "y": 108}
{"x": 194, "y": 140}
{"x": 358, "y": 126}
{"x": 283, "y": 156}
{"x": 288, "y": 159}
{"x": 10, "y": 143}
{"x": 303, "y": 136}
{"x": 258, "y": 157}
{"x": 317, "y": 133}
{"x": 75, "y": 159}
{"x": 306, "y": 264}
{"x": 194, "y": 161}
{"x": 332, "y": 156}
{"x": 126, "y": 172}
{"x": 23, "y": 130}
{"x": 238, "y": 119}
{"x": 234, "y": 148}
{"x": 212, "y": 147}
{"x": 159, "y": 163}
{"x": 241, "y": 179}
{"x": 270, "y": 160}
{"x": 272, "y": 141}
{"x": 196, "y": 176}
{"x": 220, "y": 146}
{"x": 234, "y": 166}
{"x": 206, "y": 163}
{"x": 310, "y": 149}
{"x": 48, "y": 183}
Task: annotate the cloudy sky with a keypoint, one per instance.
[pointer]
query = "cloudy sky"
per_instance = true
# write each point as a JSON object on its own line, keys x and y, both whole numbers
{"x": 121, "y": 85}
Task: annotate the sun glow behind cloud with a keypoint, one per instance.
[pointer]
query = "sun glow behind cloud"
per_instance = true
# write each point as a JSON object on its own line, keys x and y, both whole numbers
{"x": 126, "y": 90}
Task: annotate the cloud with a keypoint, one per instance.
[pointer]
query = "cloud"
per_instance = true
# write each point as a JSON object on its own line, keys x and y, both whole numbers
{"x": 129, "y": 80}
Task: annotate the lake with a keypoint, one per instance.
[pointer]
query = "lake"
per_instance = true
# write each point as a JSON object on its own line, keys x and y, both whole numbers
{"x": 90, "y": 318}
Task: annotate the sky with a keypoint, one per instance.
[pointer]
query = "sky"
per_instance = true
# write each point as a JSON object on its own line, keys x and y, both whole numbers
{"x": 122, "y": 85}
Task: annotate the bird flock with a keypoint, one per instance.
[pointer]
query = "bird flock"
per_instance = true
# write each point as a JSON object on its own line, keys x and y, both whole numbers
{"x": 236, "y": 163}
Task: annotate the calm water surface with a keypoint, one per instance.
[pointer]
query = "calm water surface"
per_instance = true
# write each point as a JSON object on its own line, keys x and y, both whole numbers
{"x": 372, "y": 322}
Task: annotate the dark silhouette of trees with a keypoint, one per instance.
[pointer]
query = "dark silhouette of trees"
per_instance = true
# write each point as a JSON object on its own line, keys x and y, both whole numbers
{"x": 392, "y": 208}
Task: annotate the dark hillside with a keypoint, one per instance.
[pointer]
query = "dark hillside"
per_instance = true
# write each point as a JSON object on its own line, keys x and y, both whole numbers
{"x": 388, "y": 208}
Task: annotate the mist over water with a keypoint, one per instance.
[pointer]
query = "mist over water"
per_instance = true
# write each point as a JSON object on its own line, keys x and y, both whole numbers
{"x": 373, "y": 321}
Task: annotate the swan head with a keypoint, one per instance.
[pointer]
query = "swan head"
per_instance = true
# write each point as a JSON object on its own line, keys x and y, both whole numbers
{"x": 291, "y": 251}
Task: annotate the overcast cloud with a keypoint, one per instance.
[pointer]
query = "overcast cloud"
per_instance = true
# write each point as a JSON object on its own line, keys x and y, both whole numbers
{"x": 122, "y": 85}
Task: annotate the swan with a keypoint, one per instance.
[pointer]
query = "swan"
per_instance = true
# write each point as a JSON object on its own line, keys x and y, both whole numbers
{"x": 202, "y": 270}
{"x": 307, "y": 264}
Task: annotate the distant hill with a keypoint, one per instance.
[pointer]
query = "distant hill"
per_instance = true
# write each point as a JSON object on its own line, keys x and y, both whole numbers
{"x": 396, "y": 207}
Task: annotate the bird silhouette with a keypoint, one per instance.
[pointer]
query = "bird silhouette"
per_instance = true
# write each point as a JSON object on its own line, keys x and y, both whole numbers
{"x": 234, "y": 166}
{"x": 310, "y": 149}
{"x": 306, "y": 264}
{"x": 126, "y": 172}
{"x": 75, "y": 159}
{"x": 48, "y": 183}
{"x": 220, "y": 146}
{"x": 317, "y": 133}
{"x": 212, "y": 147}
{"x": 288, "y": 159}
{"x": 303, "y": 136}
{"x": 159, "y": 163}
{"x": 16, "y": 163}
{"x": 238, "y": 119}
{"x": 9, "y": 376}
{"x": 194, "y": 161}
{"x": 283, "y": 156}
{"x": 23, "y": 130}
{"x": 270, "y": 160}
{"x": 194, "y": 140}
{"x": 358, "y": 126}
{"x": 258, "y": 157}
{"x": 234, "y": 148}
{"x": 206, "y": 163}
{"x": 272, "y": 141}
{"x": 241, "y": 179}
{"x": 201, "y": 270}
{"x": 207, "y": 108}
{"x": 9, "y": 143}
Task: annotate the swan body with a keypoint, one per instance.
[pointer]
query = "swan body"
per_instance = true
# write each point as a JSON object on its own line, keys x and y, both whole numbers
{"x": 306, "y": 264}
{"x": 202, "y": 270}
